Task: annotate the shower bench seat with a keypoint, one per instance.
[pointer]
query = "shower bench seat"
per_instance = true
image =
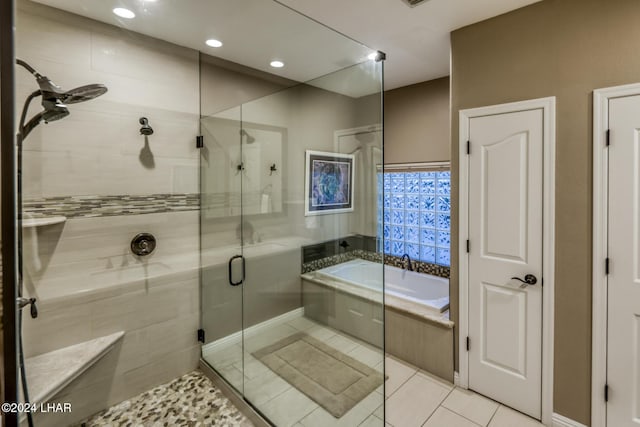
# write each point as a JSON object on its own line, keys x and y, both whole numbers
{"x": 49, "y": 373}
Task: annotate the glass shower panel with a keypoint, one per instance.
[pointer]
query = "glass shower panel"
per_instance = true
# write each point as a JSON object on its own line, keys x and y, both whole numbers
{"x": 313, "y": 295}
{"x": 221, "y": 244}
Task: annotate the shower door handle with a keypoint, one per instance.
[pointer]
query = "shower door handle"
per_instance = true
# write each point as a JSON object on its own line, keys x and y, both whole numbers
{"x": 231, "y": 282}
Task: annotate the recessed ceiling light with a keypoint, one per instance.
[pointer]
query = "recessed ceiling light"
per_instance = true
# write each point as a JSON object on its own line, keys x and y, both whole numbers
{"x": 124, "y": 13}
{"x": 373, "y": 56}
{"x": 277, "y": 64}
{"x": 213, "y": 43}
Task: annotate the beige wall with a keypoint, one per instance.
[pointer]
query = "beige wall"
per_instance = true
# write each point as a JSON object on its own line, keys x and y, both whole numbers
{"x": 562, "y": 48}
{"x": 416, "y": 123}
{"x": 96, "y": 150}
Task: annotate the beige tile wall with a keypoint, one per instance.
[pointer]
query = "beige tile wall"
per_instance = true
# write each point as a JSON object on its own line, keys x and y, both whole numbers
{"x": 96, "y": 149}
{"x": 425, "y": 344}
{"x": 87, "y": 282}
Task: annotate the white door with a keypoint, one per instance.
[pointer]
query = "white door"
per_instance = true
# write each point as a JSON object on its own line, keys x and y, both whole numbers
{"x": 505, "y": 233}
{"x": 623, "y": 326}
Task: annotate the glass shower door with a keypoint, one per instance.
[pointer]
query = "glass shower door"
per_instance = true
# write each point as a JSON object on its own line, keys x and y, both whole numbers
{"x": 314, "y": 349}
{"x": 222, "y": 268}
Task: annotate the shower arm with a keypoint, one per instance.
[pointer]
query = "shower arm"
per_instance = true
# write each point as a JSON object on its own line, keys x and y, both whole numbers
{"x": 25, "y": 129}
{"x": 29, "y": 68}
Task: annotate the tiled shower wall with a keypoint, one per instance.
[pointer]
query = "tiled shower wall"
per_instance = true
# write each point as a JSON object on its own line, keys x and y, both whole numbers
{"x": 111, "y": 183}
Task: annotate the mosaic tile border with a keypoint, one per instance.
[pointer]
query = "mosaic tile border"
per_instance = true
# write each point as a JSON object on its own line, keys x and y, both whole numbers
{"x": 339, "y": 246}
{"x": 418, "y": 266}
{"x": 111, "y": 205}
{"x": 318, "y": 264}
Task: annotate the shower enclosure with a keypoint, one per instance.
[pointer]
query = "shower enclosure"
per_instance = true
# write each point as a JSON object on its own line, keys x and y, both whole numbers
{"x": 183, "y": 218}
{"x": 257, "y": 241}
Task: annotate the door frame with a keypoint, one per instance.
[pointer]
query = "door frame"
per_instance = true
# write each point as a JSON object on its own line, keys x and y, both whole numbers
{"x": 548, "y": 105}
{"x": 601, "y": 98}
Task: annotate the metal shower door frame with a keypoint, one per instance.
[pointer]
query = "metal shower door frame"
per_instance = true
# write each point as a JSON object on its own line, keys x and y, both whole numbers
{"x": 8, "y": 199}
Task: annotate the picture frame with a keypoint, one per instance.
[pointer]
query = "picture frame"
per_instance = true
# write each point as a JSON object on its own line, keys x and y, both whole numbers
{"x": 329, "y": 182}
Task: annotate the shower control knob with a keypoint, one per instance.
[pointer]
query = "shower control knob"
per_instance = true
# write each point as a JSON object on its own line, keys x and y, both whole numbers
{"x": 143, "y": 244}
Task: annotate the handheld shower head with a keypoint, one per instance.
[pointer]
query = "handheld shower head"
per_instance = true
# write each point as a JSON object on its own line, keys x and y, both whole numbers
{"x": 145, "y": 129}
{"x": 54, "y": 111}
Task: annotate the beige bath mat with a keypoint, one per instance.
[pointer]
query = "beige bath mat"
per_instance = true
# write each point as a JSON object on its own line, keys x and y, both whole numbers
{"x": 329, "y": 377}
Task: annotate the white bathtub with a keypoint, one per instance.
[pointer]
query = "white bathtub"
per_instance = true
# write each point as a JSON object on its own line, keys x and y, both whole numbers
{"x": 427, "y": 290}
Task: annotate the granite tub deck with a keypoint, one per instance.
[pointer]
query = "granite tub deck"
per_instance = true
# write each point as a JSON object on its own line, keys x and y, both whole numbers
{"x": 49, "y": 373}
{"x": 413, "y": 332}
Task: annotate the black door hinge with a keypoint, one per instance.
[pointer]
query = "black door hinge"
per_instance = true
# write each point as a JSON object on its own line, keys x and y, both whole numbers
{"x": 468, "y": 343}
{"x": 606, "y": 392}
{"x": 468, "y": 246}
{"x": 468, "y": 147}
{"x": 608, "y": 137}
{"x": 201, "y": 335}
{"x": 199, "y": 141}
{"x": 606, "y": 266}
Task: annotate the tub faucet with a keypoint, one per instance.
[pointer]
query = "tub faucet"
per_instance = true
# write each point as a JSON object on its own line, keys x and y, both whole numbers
{"x": 409, "y": 266}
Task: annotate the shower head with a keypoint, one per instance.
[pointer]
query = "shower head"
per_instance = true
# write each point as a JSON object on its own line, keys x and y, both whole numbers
{"x": 50, "y": 90}
{"x": 250, "y": 139}
{"x": 54, "y": 99}
{"x": 83, "y": 93}
{"x": 54, "y": 111}
{"x": 145, "y": 129}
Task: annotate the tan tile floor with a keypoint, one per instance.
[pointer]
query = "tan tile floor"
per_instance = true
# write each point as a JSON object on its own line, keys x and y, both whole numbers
{"x": 413, "y": 398}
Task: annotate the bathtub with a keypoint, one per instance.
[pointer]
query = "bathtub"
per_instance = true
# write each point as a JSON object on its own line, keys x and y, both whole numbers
{"x": 411, "y": 323}
{"x": 430, "y": 291}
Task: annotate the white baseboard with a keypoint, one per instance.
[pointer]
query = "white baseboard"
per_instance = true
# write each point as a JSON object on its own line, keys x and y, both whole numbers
{"x": 253, "y": 330}
{"x": 558, "y": 420}
{"x": 456, "y": 379}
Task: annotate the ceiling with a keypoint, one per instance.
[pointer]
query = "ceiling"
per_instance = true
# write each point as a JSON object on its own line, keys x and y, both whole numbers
{"x": 255, "y": 32}
{"x": 416, "y": 40}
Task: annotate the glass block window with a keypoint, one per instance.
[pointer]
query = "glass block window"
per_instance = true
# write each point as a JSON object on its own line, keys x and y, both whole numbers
{"x": 415, "y": 218}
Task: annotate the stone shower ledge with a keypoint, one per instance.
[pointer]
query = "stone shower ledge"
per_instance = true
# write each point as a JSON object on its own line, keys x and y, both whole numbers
{"x": 49, "y": 373}
{"x": 41, "y": 222}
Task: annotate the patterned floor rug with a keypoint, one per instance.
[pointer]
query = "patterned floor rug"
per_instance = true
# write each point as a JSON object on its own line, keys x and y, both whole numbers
{"x": 330, "y": 378}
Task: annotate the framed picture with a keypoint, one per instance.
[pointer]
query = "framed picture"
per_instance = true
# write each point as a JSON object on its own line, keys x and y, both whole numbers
{"x": 328, "y": 183}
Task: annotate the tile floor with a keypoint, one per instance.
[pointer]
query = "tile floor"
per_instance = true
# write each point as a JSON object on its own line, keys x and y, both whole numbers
{"x": 413, "y": 398}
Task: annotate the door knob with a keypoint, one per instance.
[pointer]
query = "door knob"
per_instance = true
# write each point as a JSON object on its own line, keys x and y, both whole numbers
{"x": 529, "y": 279}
